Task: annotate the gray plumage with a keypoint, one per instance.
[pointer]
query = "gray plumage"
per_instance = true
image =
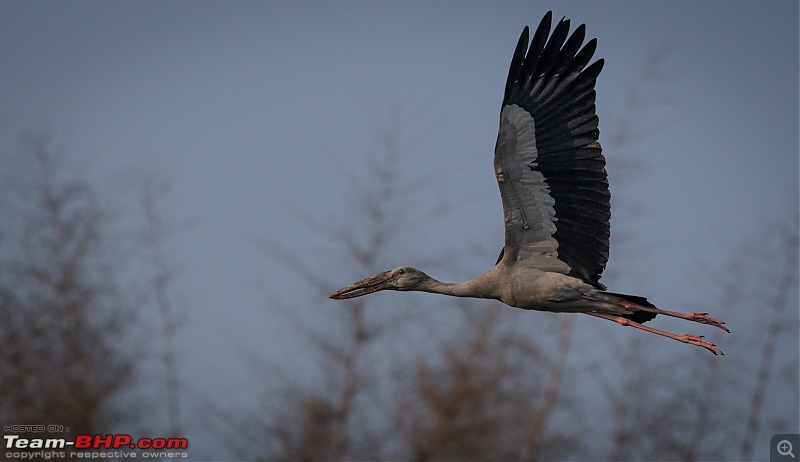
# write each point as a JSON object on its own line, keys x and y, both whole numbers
{"x": 553, "y": 185}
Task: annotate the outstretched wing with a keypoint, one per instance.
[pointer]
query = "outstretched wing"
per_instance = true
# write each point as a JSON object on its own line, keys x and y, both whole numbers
{"x": 548, "y": 163}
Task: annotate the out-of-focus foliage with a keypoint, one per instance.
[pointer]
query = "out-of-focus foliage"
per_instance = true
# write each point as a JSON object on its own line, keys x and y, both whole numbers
{"x": 76, "y": 289}
{"x": 66, "y": 344}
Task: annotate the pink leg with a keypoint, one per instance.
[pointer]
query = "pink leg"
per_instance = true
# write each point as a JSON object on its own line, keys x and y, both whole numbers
{"x": 685, "y": 338}
{"x": 702, "y": 318}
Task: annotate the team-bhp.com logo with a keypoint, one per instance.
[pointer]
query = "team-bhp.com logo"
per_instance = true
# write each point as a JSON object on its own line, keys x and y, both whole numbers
{"x": 121, "y": 445}
{"x": 95, "y": 442}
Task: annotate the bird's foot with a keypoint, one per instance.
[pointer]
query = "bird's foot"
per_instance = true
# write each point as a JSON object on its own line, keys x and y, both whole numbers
{"x": 699, "y": 341}
{"x": 704, "y": 318}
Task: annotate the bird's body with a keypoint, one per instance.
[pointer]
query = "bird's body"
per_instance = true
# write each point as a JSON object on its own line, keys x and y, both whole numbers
{"x": 556, "y": 203}
{"x": 519, "y": 286}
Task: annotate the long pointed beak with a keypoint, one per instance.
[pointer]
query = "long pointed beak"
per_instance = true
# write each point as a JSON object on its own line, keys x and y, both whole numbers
{"x": 363, "y": 287}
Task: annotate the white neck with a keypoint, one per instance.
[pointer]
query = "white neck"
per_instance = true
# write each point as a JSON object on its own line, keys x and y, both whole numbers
{"x": 476, "y": 288}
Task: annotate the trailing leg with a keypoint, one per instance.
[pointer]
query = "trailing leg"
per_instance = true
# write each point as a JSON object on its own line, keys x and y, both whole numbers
{"x": 685, "y": 338}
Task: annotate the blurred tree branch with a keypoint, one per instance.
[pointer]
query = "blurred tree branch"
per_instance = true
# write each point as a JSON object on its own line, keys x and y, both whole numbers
{"x": 153, "y": 192}
{"x": 782, "y": 287}
{"x": 67, "y": 346}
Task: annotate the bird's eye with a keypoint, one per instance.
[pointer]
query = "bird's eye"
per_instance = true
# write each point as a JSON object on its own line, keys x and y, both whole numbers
{"x": 401, "y": 271}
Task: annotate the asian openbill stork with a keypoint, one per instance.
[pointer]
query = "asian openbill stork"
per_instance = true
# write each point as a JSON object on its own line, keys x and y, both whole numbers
{"x": 554, "y": 189}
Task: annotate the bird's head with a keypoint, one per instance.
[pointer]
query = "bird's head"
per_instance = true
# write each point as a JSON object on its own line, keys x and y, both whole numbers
{"x": 402, "y": 278}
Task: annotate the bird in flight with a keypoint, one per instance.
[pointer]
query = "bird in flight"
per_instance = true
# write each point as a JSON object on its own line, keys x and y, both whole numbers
{"x": 554, "y": 188}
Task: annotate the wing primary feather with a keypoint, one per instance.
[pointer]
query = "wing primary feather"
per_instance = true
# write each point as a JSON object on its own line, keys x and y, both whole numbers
{"x": 516, "y": 62}
{"x": 537, "y": 45}
{"x": 552, "y": 48}
{"x": 540, "y": 37}
{"x": 568, "y": 51}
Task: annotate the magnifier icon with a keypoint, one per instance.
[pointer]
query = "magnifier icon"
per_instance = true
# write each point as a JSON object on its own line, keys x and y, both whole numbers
{"x": 785, "y": 448}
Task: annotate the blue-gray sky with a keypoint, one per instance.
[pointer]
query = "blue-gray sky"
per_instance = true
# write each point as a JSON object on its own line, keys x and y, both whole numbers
{"x": 241, "y": 103}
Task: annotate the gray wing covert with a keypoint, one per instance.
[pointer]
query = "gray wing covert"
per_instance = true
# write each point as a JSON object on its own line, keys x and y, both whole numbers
{"x": 527, "y": 203}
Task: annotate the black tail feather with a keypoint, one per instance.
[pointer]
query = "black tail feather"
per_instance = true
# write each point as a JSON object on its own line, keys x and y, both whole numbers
{"x": 637, "y": 316}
